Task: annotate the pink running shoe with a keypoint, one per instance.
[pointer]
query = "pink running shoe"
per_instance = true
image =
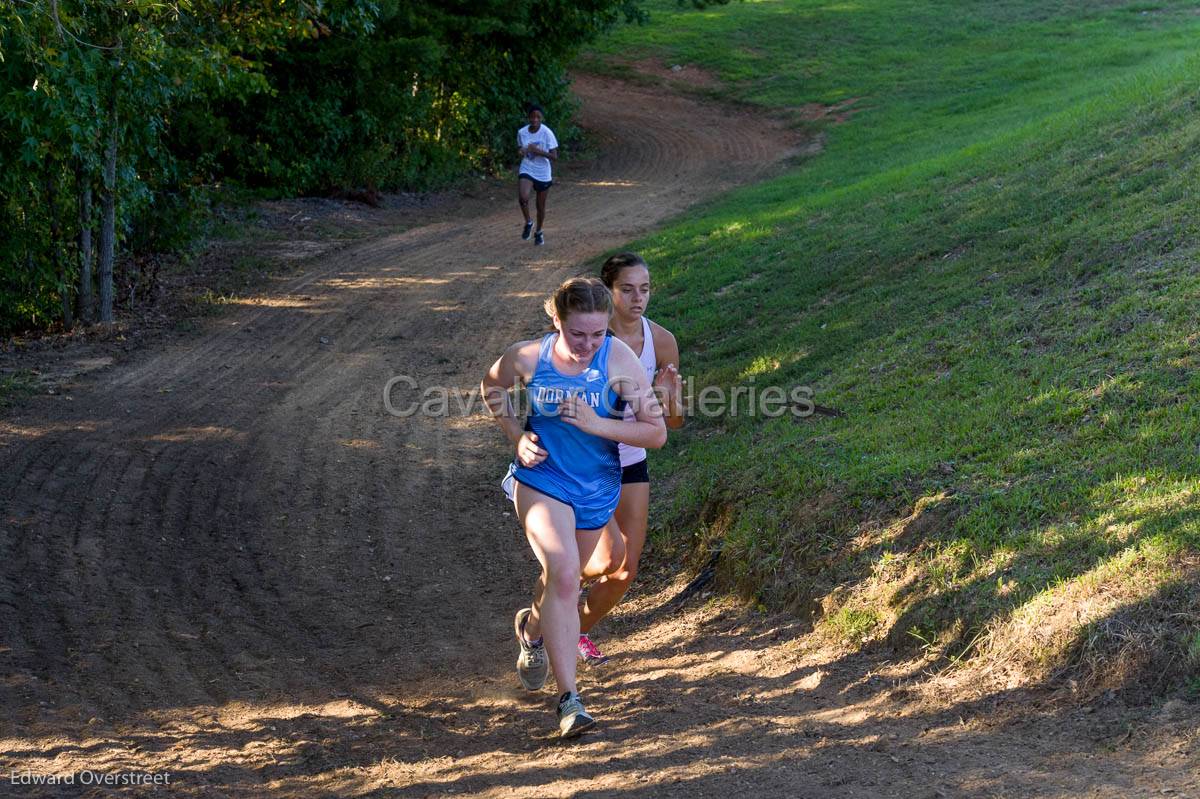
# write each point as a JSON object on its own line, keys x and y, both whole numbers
{"x": 589, "y": 653}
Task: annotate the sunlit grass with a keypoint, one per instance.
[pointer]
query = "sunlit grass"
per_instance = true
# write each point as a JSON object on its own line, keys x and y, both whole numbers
{"x": 991, "y": 269}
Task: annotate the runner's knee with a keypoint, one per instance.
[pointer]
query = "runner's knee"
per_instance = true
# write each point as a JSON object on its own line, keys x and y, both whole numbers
{"x": 614, "y": 557}
{"x": 624, "y": 574}
{"x": 603, "y": 565}
{"x": 562, "y": 581}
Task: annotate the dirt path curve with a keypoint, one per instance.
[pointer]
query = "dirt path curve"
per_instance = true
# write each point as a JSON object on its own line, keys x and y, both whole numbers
{"x": 225, "y": 562}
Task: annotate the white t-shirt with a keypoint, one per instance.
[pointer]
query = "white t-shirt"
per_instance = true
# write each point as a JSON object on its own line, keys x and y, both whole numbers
{"x": 537, "y": 166}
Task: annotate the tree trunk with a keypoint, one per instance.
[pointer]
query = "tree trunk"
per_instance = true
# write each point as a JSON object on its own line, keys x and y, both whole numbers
{"x": 57, "y": 262}
{"x": 87, "y": 302}
{"x": 30, "y": 267}
{"x": 108, "y": 218}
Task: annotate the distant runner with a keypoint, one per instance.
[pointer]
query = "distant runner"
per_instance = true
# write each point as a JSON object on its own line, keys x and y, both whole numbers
{"x": 537, "y": 147}
{"x": 567, "y": 472}
{"x": 628, "y": 277}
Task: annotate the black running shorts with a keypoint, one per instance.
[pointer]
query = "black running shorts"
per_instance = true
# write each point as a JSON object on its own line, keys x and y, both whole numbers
{"x": 538, "y": 185}
{"x": 635, "y": 473}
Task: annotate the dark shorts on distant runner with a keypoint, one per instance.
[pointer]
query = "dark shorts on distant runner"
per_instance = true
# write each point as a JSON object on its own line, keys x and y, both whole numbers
{"x": 538, "y": 185}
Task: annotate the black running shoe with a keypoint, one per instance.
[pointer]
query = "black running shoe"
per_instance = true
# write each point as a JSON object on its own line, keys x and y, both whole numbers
{"x": 539, "y": 239}
{"x": 525, "y": 232}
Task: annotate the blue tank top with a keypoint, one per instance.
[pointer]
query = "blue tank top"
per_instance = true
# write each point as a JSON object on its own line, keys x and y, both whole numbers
{"x": 582, "y": 470}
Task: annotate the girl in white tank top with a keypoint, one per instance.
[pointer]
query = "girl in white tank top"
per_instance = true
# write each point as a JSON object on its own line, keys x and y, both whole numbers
{"x": 631, "y": 455}
{"x": 628, "y": 278}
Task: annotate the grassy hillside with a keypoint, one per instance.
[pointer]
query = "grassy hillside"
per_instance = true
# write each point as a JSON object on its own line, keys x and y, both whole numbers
{"x": 992, "y": 268}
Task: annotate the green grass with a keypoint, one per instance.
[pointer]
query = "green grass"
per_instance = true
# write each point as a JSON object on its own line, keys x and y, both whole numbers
{"x": 852, "y": 625}
{"x": 16, "y": 385}
{"x": 992, "y": 269}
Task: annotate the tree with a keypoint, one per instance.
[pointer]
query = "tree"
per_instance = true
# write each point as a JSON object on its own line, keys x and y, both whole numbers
{"x": 89, "y": 91}
{"x": 115, "y": 113}
{"x": 435, "y": 89}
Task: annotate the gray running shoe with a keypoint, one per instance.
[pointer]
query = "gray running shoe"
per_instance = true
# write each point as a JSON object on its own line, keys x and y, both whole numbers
{"x": 532, "y": 664}
{"x": 573, "y": 720}
{"x": 539, "y": 238}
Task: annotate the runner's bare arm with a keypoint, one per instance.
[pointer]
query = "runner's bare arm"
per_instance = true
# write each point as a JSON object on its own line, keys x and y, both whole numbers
{"x": 512, "y": 369}
{"x": 668, "y": 384}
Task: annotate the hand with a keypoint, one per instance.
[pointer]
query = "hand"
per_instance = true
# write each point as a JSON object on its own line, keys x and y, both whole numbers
{"x": 576, "y": 412}
{"x": 668, "y": 386}
{"x": 529, "y": 453}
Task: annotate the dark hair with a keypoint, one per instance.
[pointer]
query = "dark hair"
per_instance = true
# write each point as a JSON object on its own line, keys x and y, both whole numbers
{"x": 531, "y": 107}
{"x": 579, "y": 295}
{"x": 613, "y": 266}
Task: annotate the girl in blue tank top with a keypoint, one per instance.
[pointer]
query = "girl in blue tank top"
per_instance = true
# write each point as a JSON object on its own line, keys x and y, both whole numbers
{"x": 582, "y": 470}
{"x": 567, "y": 471}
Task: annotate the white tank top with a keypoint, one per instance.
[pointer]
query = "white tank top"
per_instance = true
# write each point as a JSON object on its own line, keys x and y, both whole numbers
{"x": 631, "y": 455}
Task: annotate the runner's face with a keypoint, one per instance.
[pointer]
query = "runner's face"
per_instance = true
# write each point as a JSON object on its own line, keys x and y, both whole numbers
{"x": 583, "y": 333}
{"x": 631, "y": 291}
{"x": 535, "y": 120}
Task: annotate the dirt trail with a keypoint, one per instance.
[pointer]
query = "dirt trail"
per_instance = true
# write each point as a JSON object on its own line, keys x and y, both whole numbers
{"x": 224, "y": 561}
